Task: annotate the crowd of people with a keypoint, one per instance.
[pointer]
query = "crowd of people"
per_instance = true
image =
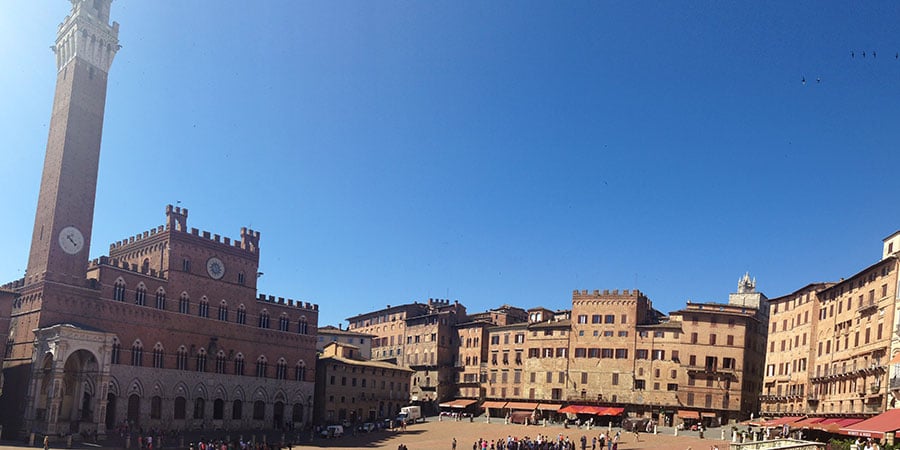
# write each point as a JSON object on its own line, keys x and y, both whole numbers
{"x": 602, "y": 441}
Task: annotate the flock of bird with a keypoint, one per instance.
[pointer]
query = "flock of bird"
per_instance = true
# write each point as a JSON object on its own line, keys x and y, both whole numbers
{"x": 873, "y": 54}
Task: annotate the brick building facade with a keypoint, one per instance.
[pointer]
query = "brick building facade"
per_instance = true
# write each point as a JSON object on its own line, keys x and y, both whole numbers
{"x": 355, "y": 390}
{"x": 611, "y": 350}
{"x": 792, "y": 325}
{"x": 126, "y": 337}
{"x": 834, "y": 349}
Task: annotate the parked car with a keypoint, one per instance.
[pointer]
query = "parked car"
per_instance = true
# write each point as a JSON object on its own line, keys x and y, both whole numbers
{"x": 367, "y": 427}
{"x": 333, "y": 431}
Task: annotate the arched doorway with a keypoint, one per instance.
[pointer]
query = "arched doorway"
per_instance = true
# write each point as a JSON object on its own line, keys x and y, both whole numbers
{"x": 278, "y": 415}
{"x": 134, "y": 410}
{"x": 110, "y": 411}
{"x": 78, "y": 382}
{"x": 297, "y": 413}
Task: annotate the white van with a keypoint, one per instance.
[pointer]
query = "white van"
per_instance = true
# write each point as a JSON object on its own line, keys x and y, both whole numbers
{"x": 333, "y": 431}
{"x": 410, "y": 414}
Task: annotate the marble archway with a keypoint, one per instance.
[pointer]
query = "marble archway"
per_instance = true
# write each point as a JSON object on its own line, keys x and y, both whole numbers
{"x": 70, "y": 378}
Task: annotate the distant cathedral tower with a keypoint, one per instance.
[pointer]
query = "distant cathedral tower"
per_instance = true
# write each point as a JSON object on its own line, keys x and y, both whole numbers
{"x": 85, "y": 46}
{"x": 746, "y": 294}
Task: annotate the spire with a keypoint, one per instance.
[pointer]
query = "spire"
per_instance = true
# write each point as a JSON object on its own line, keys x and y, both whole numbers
{"x": 746, "y": 285}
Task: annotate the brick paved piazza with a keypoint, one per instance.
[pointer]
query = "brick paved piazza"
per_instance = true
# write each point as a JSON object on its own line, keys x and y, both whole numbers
{"x": 438, "y": 435}
{"x": 434, "y": 435}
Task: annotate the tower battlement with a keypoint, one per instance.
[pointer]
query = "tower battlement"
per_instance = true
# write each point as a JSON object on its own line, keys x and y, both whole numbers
{"x": 625, "y": 296}
{"x": 124, "y": 265}
{"x": 263, "y": 298}
{"x": 136, "y": 238}
{"x": 606, "y": 293}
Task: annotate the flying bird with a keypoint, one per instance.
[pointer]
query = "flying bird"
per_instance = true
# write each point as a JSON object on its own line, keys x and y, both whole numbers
{"x": 803, "y": 80}
{"x": 873, "y": 54}
{"x": 852, "y": 55}
{"x": 818, "y": 80}
{"x": 864, "y": 54}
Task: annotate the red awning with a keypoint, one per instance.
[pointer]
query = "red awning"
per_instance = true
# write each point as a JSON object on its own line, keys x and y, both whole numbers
{"x": 707, "y": 414}
{"x": 805, "y": 423}
{"x": 611, "y": 412}
{"x": 876, "y": 426}
{"x": 848, "y": 422}
{"x": 461, "y": 403}
{"x": 587, "y": 409}
{"x": 684, "y": 414}
{"x": 571, "y": 409}
{"x": 548, "y": 407}
{"x": 835, "y": 427}
{"x": 493, "y": 404}
{"x": 522, "y": 406}
{"x": 782, "y": 420}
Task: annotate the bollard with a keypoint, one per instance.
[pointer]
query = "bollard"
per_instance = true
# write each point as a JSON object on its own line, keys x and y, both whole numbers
{"x": 655, "y": 429}
{"x": 128, "y": 441}
{"x": 69, "y": 441}
{"x": 734, "y": 435}
{"x": 723, "y": 434}
{"x": 676, "y": 431}
{"x": 545, "y": 422}
{"x": 506, "y": 421}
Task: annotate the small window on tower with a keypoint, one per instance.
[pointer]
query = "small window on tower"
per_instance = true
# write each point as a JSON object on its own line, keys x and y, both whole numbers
{"x": 240, "y": 277}
{"x": 186, "y": 265}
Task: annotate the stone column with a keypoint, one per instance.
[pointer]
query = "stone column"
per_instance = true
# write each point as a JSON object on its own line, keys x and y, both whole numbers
{"x": 54, "y": 401}
{"x": 102, "y": 403}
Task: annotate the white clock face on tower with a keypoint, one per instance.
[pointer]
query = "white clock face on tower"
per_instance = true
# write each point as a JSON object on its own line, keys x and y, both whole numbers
{"x": 215, "y": 268}
{"x": 71, "y": 240}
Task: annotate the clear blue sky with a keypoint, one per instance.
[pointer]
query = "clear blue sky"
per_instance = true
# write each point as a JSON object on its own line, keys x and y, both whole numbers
{"x": 491, "y": 152}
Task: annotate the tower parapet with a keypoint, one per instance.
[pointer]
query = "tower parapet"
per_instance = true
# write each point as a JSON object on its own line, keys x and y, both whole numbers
{"x": 176, "y": 218}
{"x": 263, "y": 298}
{"x": 86, "y": 33}
{"x": 249, "y": 239}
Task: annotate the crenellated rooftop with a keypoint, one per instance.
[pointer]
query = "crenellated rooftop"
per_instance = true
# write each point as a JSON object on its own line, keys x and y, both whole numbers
{"x": 263, "y": 298}
{"x": 124, "y": 265}
{"x": 176, "y": 221}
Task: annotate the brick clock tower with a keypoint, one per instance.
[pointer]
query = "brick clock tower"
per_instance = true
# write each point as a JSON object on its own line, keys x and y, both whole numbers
{"x": 85, "y": 47}
{"x": 57, "y": 264}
